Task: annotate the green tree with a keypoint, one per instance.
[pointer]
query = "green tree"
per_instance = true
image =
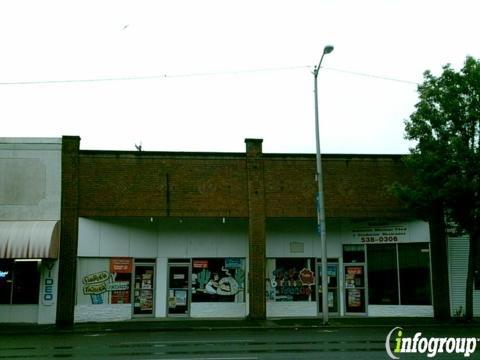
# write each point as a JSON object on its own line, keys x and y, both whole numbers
{"x": 445, "y": 162}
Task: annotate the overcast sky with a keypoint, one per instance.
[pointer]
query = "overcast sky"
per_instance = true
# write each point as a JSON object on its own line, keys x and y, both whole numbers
{"x": 217, "y": 72}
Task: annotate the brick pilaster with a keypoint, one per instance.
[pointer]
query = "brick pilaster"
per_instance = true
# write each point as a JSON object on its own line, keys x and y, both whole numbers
{"x": 256, "y": 228}
{"x": 69, "y": 231}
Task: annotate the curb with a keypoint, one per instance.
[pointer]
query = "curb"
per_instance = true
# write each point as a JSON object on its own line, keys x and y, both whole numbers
{"x": 162, "y": 326}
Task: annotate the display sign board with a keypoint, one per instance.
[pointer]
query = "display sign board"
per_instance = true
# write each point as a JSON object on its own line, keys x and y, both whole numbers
{"x": 200, "y": 264}
{"x": 378, "y": 233}
{"x": 121, "y": 265}
{"x": 233, "y": 263}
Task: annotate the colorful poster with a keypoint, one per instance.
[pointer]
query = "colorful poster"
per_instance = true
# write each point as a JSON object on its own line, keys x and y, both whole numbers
{"x": 200, "y": 264}
{"x": 181, "y": 297}
{"x": 146, "y": 300}
{"x": 121, "y": 265}
{"x": 355, "y": 270}
{"x": 354, "y": 298}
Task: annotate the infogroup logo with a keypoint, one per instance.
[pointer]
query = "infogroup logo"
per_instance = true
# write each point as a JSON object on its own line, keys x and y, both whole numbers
{"x": 430, "y": 346}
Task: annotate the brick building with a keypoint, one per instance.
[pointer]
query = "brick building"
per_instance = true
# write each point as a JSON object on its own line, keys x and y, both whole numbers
{"x": 233, "y": 235}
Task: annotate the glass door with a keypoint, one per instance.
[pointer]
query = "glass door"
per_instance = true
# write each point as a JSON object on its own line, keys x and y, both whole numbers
{"x": 332, "y": 280}
{"x": 178, "y": 289}
{"x": 355, "y": 288}
{"x": 144, "y": 289}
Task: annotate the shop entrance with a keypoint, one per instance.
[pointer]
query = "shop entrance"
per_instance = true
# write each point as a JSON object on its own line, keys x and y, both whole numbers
{"x": 332, "y": 280}
{"x": 144, "y": 289}
{"x": 178, "y": 289}
{"x": 354, "y": 289}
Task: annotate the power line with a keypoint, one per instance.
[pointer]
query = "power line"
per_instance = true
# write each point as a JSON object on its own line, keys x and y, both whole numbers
{"x": 150, "y": 77}
{"x": 371, "y": 75}
{"x": 215, "y": 73}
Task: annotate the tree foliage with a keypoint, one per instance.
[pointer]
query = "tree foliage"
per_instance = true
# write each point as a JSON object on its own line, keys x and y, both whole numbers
{"x": 446, "y": 159}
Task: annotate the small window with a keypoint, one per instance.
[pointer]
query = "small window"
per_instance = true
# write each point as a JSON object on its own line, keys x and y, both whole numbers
{"x": 353, "y": 253}
{"x": 19, "y": 281}
{"x": 6, "y": 275}
{"x": 477, "y": 280}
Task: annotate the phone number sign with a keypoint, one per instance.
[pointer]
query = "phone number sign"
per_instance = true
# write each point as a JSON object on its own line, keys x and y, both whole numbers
{"x": 379, "y": 234}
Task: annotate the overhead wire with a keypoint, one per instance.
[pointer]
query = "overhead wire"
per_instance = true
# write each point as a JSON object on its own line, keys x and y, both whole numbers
{"x": 199, "y": 74}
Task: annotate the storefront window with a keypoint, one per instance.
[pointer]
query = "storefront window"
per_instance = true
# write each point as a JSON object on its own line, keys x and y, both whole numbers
{"x": 354, "y": 288}
{"x": 291, "y": 279}
{"x": 218, "y": 280}
{"x": 414, "y": 264}
{"x": 382, "y": 274}
{"x": 19, "y": 281}
{"x": 104, "y": 280}
{"x": 6, "y": 274}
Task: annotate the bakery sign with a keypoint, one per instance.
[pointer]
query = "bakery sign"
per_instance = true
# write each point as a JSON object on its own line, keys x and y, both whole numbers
{"x": 378, "y": 233}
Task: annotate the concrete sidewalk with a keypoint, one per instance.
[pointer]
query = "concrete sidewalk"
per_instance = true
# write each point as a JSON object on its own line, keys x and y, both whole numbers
{"x": 228, "y": 324}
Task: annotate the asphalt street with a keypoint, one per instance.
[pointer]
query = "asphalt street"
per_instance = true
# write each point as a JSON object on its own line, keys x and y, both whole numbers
{"x": 241, "y": 344}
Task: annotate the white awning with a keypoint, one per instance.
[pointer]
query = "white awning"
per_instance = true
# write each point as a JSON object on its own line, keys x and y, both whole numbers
{"x": 29, "y": 239}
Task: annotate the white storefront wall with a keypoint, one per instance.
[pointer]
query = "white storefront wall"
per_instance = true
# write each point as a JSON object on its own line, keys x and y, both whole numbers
{"x": 30, "y": 190}
{"x": 161, "y": 240}
{"x": 287, "y": 238}
{"x": 458, "y": 251}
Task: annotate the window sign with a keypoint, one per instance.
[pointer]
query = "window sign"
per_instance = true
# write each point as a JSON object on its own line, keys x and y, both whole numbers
{"x": 48, "y": 296}
{"x": 105, "y": 281}
{"x": 218, "y": 280}
{"x": 290, "y": 279}
{"x": 121, "y": 265}
{"x": 233, "y": 263}
{"x": 200, "y": 264}
{"x": 353, "y": 277}
{"x": 354, "y": 298}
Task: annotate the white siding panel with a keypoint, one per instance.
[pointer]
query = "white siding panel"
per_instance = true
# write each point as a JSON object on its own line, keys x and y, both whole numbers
{"x": 143, "y": 241}
{"x": 400, "y": 310}
{"x": 18, "y": 313}
{"x": 99, "y": 313}
{"x": 88, "y": 237}
{"x": 284, "y": 309}
{"x": 114, "y": 239}
{"x": 458, "y": 249}
{"x": 218, "y": 310}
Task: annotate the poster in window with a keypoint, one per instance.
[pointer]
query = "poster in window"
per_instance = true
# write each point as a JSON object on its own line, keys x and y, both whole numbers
{"x": 349, "y": 281}
{"x": 147, "y": 279}
{"x": 200, "y": 264}
{"x": 121, "y": 265}
{"x": 218, "y": 280}
{"x": 172, "y": 301}
{"x": 330, "y": 299}
{"x": 291, "y": 279}
{"x": 146, "y": 300}
{"x": 181, "y": 297}
{"x": 354, "y": 298}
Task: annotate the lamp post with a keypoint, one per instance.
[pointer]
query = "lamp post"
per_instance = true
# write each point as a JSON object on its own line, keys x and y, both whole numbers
{"x": 320, "y": 202}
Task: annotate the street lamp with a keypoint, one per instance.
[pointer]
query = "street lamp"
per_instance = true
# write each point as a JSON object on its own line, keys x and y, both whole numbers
{"x": 320, "y": 205}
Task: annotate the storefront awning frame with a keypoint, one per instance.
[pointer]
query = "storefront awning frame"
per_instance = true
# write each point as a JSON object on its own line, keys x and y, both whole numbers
{"x": 29, "y": 239}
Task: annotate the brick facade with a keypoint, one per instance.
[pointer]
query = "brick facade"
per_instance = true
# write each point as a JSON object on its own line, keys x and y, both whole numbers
{"x": 249, "y": 185}
{"x": 205, "y": 184}
{"x": 69, "y": 231}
